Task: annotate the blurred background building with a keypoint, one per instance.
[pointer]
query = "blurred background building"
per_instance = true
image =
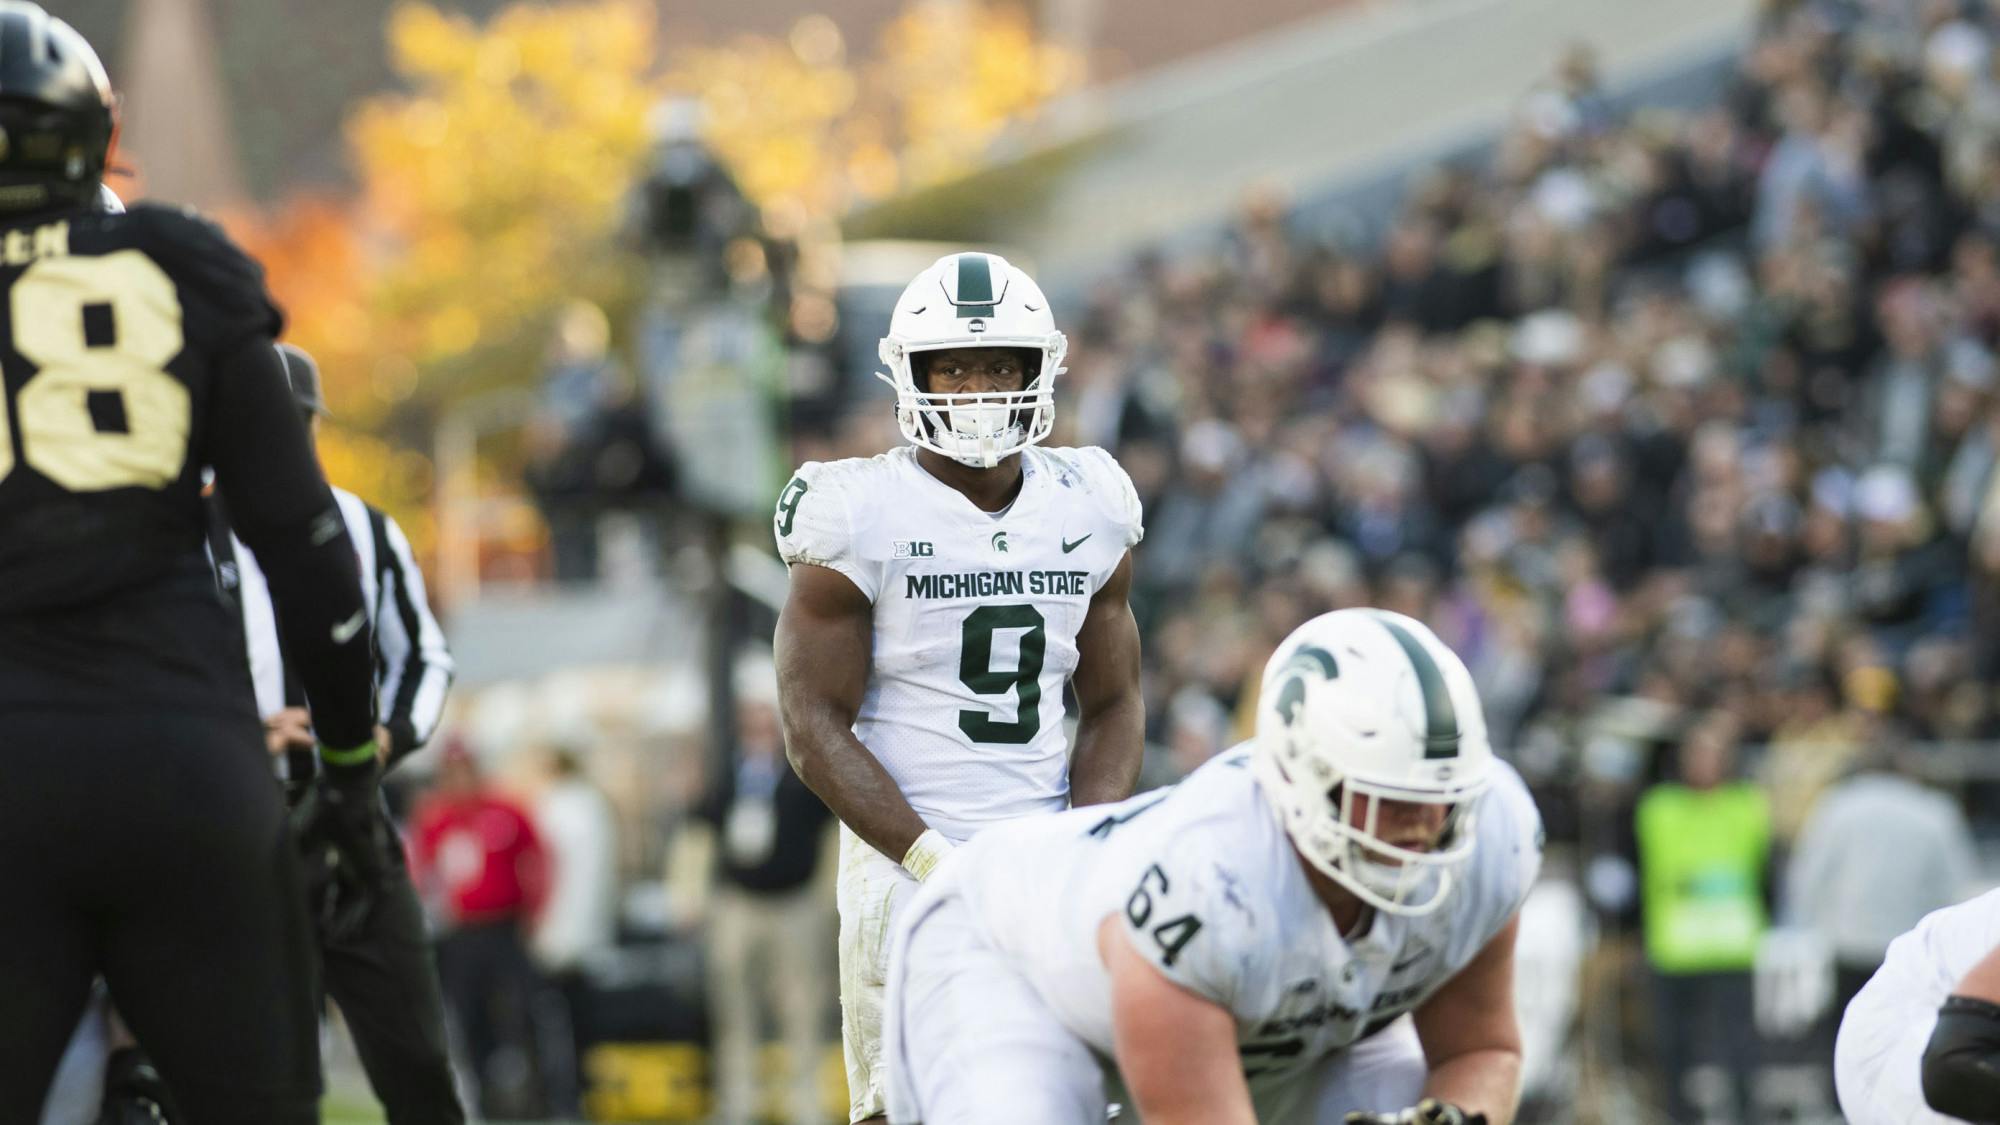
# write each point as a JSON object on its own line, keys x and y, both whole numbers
{"x": 1646, "y": 351}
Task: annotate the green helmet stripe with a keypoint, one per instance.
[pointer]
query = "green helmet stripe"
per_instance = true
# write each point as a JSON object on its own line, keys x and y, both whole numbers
{"x": 975, "y": 286}
{"x": 1440, "y": 717}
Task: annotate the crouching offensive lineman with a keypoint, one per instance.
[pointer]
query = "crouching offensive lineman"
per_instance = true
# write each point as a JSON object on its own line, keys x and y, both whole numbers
{"x": 1317, "y": 926}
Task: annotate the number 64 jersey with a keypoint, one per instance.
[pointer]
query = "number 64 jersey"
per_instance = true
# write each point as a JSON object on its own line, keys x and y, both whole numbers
{"x": 976, "y": 617}
{"x": 1204, "y": 880}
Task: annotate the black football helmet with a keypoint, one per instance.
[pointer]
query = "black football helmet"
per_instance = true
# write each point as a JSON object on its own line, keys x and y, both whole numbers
{"x": 57, "y": 113}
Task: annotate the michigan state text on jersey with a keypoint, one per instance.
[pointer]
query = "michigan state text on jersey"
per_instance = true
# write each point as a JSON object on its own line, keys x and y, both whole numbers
{"x": 943, "y": 596}
{"x": 1317, "y": 924}
{"x": 149, "y": 844}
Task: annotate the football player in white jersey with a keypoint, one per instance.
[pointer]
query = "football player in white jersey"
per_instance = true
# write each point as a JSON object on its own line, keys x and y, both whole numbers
{"x": 1318, "y": 926}
{"x": 1920, "y": 1042}
{"x": 942, "y": 597}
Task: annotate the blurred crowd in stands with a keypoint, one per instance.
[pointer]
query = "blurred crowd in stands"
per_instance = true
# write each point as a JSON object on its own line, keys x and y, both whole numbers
{"x": 1693, "y": 409}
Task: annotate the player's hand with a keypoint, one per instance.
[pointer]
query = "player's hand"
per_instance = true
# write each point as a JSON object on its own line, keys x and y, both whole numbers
{"x": 289, "y": 729}
{"x": 1430, "y": 1111}
{"x": 345, "y": 839}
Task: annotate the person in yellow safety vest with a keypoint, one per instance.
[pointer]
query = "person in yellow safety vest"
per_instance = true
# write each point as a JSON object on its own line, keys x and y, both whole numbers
{"x": 1704, "y": 849}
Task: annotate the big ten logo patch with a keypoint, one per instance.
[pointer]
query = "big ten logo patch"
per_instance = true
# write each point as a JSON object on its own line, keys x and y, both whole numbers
{"x": 913, "y": 549}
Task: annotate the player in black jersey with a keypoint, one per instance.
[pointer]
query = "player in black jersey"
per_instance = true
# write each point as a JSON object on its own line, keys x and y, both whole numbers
{"x": 141, "y": 832}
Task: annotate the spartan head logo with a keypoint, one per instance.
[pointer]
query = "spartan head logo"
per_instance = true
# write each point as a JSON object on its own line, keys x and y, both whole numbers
{"x": 1310, "y": 660}
{"x": 1000, "y": 541}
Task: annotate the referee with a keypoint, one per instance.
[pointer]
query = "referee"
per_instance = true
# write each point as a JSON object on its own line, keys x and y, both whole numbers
{"x": 413, "y": 669}
{"x": 383, "y": 976}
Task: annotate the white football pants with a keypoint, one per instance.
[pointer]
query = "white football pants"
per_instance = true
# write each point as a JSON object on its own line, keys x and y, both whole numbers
{"x": 871, "y": 892}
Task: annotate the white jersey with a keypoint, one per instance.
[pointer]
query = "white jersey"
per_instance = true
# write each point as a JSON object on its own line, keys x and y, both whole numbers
{"x": 1212, "y": 894}
{"x": 1878, "y": 1059}
{"x": 976, "y": 617}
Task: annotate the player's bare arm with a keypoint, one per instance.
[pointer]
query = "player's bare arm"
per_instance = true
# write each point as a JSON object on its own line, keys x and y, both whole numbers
{"x": 1471, "y": 1039}
{"x": 1111, "y": 725}
{"x": 1176, "y": 1051}
{"x": 822, "y": 650}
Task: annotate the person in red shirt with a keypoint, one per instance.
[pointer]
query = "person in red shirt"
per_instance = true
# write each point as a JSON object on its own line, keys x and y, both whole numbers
{"x": 480, "y": 865}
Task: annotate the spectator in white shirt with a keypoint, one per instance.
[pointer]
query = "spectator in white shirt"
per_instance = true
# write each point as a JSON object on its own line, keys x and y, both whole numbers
{"x": 580, "y": 916}
{"x": 1878, "y": 852}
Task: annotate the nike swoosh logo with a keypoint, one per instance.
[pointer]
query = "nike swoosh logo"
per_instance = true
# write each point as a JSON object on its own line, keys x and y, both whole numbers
{"x": 1401, "y": 965}
{"x": 326, "y": 528}
{"x": 1069, "y": 546}
{"x": 345, "y": 631}
{"x": 1031, "y": 308}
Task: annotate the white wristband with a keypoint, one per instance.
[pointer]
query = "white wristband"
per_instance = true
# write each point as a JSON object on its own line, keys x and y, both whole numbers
{"x": 924, "y": 855}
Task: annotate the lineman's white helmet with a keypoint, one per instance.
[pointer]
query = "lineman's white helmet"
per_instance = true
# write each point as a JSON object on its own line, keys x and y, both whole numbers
{"x": 973, "y": 300}
{"x": 1366, "y": 703}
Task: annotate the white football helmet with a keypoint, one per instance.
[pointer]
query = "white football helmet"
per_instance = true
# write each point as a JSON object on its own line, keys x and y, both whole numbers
{"x": 1366, "y": 703}
{"x": 973, "y": 300}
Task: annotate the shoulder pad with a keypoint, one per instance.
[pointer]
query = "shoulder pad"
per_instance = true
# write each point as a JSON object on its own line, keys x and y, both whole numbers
{"x": 1511, "y": 827}
{"x": 814, "y": 519}
{"x": 853, "y": 475}
{"x": 1199, "y": 919}
{"x": 208, "y": 266}
{"x": 1114, "y": 486}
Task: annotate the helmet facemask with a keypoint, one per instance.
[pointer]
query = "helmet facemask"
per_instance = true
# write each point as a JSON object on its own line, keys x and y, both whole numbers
{"x": 1385, "y": 875}
{"x": 54, "y": 157}
{"x": 1340, "y": 835}
{"x": 979, "y": 428}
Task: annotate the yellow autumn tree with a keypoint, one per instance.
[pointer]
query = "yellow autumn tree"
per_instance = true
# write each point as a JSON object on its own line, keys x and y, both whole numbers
{"x": 490, "y": 187}
{"x": 774, "y": 112}
{"x": 959, "y": 74}
{"x": 487, "y": 192}
{"x": 808, "y": 132}
{"x": 497, "y": 178}
{"x": 314, "y": 265}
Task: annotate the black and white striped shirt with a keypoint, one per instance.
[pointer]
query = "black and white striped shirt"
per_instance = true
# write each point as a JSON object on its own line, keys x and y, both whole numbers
{"x": 413, "y": 668}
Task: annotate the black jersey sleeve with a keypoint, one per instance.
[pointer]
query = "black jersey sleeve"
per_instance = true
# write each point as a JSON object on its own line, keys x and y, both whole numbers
{"x": 224, "y": 286}
{"x": 281, "y": 506}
